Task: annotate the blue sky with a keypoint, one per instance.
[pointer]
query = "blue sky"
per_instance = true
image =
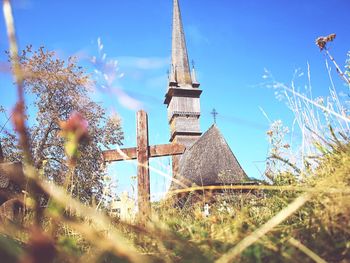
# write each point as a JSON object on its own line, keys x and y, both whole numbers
{"x": 231, "y": 42}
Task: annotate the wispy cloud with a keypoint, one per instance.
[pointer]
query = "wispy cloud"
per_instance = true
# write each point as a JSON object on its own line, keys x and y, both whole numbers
{"x": 112, "y": 75}
{"x": 107, "y": 74}
{"x": 126, "y": 100}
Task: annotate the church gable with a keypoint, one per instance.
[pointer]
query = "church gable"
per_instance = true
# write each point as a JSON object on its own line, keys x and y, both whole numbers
{"x": 210, "y": 161}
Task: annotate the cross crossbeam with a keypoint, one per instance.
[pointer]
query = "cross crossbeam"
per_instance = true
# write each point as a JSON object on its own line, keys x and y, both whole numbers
{"x": 215, "y": 114}
{"x": 154, "y": 151}
{"x": 142, "y": 152}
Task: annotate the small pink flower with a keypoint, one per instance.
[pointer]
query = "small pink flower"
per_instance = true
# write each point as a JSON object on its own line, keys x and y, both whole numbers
{"x": 77, "y": 125}
{"x": 18, "y": 118}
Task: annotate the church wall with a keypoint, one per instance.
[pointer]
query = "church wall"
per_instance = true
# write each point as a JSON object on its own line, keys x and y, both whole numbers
{"x": 183, "y": 105}
{"x": 185, "y": 124}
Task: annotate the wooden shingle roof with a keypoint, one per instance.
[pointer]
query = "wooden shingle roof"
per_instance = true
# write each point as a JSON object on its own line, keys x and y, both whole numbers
{"x": 209, "y": 161}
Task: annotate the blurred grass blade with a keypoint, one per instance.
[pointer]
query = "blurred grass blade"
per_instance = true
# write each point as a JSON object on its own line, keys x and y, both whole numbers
{"x": 263, "y": 230}
{"x": 323, "y": 189}
{"x": 11, "y": 34}
{"x": 306, "y": 250}
{"x": 116, "y": 241}
{"x": 10, "y": 249}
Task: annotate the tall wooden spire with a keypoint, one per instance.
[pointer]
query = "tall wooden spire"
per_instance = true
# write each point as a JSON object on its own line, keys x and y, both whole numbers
{"x": 179, "y": 57}
{"x": 182, "y": 97}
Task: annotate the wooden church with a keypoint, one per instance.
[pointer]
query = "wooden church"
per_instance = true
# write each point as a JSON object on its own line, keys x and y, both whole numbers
{"x": 197, "y": 159}
{"x": 207, "y": 160}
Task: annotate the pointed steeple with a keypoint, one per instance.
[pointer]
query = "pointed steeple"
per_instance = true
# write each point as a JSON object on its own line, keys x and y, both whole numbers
{"x": 181, "y": 69}
{"x": 183, "y": 93}
{"x": 195, "y": 83}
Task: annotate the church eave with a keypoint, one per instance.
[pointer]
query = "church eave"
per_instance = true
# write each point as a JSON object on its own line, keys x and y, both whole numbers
{"x": 183, "y": 113}
{"x": 184, "y": 133}
{"x": 181, "y": 92}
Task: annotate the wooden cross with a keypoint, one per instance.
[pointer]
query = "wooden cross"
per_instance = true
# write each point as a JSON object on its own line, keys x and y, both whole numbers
{"x": 142, "y": 153}
{"x": 214, "y": 113}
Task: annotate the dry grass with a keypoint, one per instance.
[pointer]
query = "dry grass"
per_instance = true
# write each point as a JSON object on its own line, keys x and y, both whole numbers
{"x": 292, "y": 220}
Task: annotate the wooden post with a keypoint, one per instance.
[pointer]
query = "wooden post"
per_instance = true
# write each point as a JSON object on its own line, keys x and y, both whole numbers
{"x": 175, "y": 165}
{"x": 142, "y": 153}
{"x": 143, "y": 180}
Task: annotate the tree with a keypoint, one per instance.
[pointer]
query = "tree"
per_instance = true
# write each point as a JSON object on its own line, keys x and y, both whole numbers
{"x": 59, "y": 89}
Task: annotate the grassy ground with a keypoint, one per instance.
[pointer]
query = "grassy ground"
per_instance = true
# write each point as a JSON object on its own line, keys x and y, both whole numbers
{"x": 301, "y": 217}
{"x": 239, "y": 227}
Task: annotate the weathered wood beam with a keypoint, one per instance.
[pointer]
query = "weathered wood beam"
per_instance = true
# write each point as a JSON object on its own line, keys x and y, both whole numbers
{"x": 154, "y": 151}
{"x": 166, "y": 150}
{"x": 121, "y": 155}
{"x": 143, "y": 180}
{"x": 142, "y": 153}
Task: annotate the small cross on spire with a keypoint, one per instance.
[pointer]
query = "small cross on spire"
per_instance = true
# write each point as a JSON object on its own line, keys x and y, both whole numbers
{"x": 214, "y": 113}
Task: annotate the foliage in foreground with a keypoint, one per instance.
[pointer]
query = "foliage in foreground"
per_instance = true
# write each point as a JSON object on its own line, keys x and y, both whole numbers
{"x": 59, "y": 89}
{"x": 318, "y": 230}
{"x": 321, "y": 225}
{"x": 293, "y": 220}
